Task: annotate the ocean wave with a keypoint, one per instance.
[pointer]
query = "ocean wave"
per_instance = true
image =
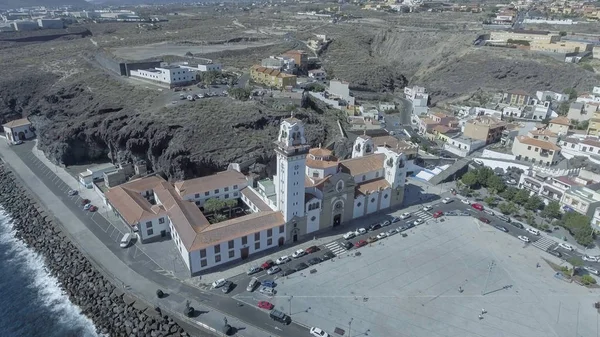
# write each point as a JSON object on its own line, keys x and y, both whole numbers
{"x": 51, "y": 295}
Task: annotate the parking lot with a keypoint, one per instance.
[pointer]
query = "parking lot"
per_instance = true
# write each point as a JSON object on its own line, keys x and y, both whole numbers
{"x": 410, "y": 286}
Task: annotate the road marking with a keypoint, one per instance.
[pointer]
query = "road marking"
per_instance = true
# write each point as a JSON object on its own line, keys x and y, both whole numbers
{"x": 335, "y": 248}
{"x": 543, "y": 243}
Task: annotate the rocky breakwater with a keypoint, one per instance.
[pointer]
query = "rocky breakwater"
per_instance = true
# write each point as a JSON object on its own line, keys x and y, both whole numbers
{"x": 113, "y": 312}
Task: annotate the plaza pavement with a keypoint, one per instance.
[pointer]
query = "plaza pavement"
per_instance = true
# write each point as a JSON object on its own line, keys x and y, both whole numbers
{"x": 410, "y": 287}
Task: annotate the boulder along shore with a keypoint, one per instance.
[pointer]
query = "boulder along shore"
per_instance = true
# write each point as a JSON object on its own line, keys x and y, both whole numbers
{"x": 108, "y": 307}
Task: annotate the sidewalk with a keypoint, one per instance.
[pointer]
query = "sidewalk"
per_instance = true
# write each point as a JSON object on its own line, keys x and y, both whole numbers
{"x": 132, "y": 282}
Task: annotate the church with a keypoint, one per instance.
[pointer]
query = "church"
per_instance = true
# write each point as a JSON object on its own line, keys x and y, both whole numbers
{"x": 312, "y": 191}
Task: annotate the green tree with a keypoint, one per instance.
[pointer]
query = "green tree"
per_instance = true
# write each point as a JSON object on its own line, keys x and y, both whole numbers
{"x": 576, "y": 262}
{"x": 534, "y": 203}
{"x": 208, "y": 77}
{"x": 571, "y": 92}
{"x": 521, "y": 197}
{"x": 507, "y": 208}
{"x": 214, "y": 205}
{"x": 490, "y": 201}
{"x": 242, "y": 94}
{"x": 496, "y": 183}
{"x": 469, "y": 179}
{"x": 509, "y": 193}
{"x": 216, "y": 218}
{"x": 530, "y": 217}
{"x": 563, "y": 109}
{"x": 579, "y": 226}
{"x": 483, "y": 175}
{"x": 230, "y": 204}
{"x": 552, "y": 210}
{"x": 588, "y": 279}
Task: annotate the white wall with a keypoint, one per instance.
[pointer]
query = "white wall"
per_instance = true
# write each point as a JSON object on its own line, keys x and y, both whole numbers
{"x": 385, "y": 202}
{"x": 155, "y": 226}
{"x": 233, "y": 192}
{"x": 209, "y": 67}
{"x": 369, "y": 176}
{"x": 312, "y": 225}
{"x": 497, "y": 155}
{"x": 372, "y": 206}
{"x": 359, "y": 210}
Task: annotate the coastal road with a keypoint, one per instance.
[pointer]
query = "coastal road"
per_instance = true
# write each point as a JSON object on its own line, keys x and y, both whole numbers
{"x": 139, "y": 262}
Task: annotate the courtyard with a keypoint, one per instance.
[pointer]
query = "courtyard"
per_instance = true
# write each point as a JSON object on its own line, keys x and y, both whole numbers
{"x": 435, "y": 282}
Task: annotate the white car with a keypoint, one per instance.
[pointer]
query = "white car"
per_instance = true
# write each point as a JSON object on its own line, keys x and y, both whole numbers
{"x": 404, "y": 216}
{"x": 523, "y": 238}
{"x": 488, "y": 211}
{"x": 253, "y": 270}
{"x": 418, "y": 222}
{"x": 316, "y": 332}
{"x": 298, "y": 253}
{"x": 465, "y": 201}
{"x": 591, "y": 270}
{"x": 589, "y": 258}
{"x": 447, "y": 200}
{"x": 273, "y": 270}
{"x": 533, "y": 231}
{"x": 566, "y": 246}
{"x": 381, "y": 235}
{"x": 87, "y": 207}
{"x": 267, "y": 291}
{"x": 283, "y": 260}
{"x": 349, "y": 235}
{"x": 219, "y": 283}
{"x": 427, "y": 208}
{"x": 360, "y": 231}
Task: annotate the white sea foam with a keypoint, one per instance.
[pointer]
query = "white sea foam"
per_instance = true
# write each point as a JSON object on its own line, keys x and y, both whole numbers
{"x": 47, "y": 286}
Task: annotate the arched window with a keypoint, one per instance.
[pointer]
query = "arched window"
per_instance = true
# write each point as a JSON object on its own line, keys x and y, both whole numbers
{"x": 339, "y": 186}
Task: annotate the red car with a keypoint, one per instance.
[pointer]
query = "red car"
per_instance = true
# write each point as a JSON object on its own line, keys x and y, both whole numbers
{"x": 311, "y": 249}
{"x": 438, "y": 214}
{"x": 267, "y": 264}
{"x": 360, "y": 243}
{"x": 93, "y": 208}
{"x": 85, "y": 202}
{"x": 478, "y": 207}
{"x": 482, "y": 219}
{"x": 265, "y": 305}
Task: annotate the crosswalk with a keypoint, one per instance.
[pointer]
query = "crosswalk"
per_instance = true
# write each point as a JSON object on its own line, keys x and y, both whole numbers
{"x": 544, "y": 243}
{"x": 336, "y": 248}
{"x": 422, "y": 215}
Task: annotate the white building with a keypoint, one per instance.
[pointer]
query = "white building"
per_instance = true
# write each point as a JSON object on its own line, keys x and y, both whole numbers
{"x": 341, "y": 89}
{"x": 596, "y": 91}
{"x": 169, "y": 74}
{"x": 202, "y": 67}
{"x": 551, "y": 96}
{"x": 419, "y": 98}
{"x": 463, "y": 146}
{"x": 18, "y": 130}
{"x": 95, "y": 173}
{"x": 317, "y": 75}
{"x": 25, "y": 25}
{"x": 50, "y": 23}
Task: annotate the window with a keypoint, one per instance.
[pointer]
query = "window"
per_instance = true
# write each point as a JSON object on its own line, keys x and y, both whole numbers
{"x": 197, "y": 203}
{"x": 281, "y": 229}
{"x": 206, "y": 193}
{"x": 217, "y": 249}
{"x": 150, "y": 231}
{"x": 359, "y": 204}
{"x": 203, "y": 263}
{"x": 161, "y": 220}
{"x": 372, "y": 199}
{"x": 257, "y": 245}
{"x": 231, "y": 254}
{"x": 149, "y": 224}
{"x": 529, "y": 148}
{"x": 364, "y": 177}
{"x": 226, "y": 196}
{"x": 256, "y": 236}
{"x": 217, "y": 191}
{"x": 217, "y": 258}
{"x": 235, "y": 187}
{"x": 230, "y": 244}
{"x": 244, "y": 240}
{"x": 226, "y": 189}
{"x": 197, "y": 195}
{"x": 269, "y": 232}
{"x": 202, "y": 253}
{"x": 385, "y": 196}
{"x": 313, "y": 218}
{"x": 377, "y": 174}
{"x": 537, "y": 149}
{"x": 269, "y": 242}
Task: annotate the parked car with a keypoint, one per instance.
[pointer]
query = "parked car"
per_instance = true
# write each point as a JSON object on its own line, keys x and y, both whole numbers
{"x": 395, "y": 219}
{"x": 360, "y": 231}
{"x": 347, "y": 244}
{"x": 418, "y": 222}
{"x": 267, "y": 291}
{"x": 301, "y": 266}
{"x": 253, "y": 284}
{"x": 349, "y": 235}
{"x": 371, "y": 239}
{"x": 589, "y": 258}
{"x": 86, "y": 207}
{"x": 478, "y": 207}
{"x": 283, "y": 260}
{"x": 533, "y": 231}
{"x": 392, "y": 232}
{"x": 427, "y": 208}
{"x": 267, "y": 264}
{"x": 72, "y": 192}
{"x": 404, "y": 216}
{"x": 517, "y": 224}
{"x": 279, "y": 316}
{"x": 287, "y": 272}
{"x": 298, "y": 253}
{"x": 486, "y": 220}
{"x": 503, "y": 217}
{"x": 316, "y": 332}
{"x": 85, "y": 202}
{"x": 591, "y": 270}
{"x": 265, "y": 305}
{"x": 555, "y": 253}
{"x": 381, "y": 235}
{"x": 253, "y": 270}
{"x": 126, "y": 240}
{"x": 374, "y": 226}
{"x": 219, "y": 283}
{"x": 314, "y": 260}
{"x": 566, "y": 246}
{"x": 465, "y": 201}
{"x": 447, "y": 200}
{"x": 360, "y": 243}
{"x": 487, "y": 211}
{"x": 311, "y": 249}
{"x": 437, "y": 214}
{"x": 273, "y": 270}
{"x": 93, "y": 208}
{"x": 329, "y": 255}
{"x": 227, "y": 287}
{"x": 268, "y": 283}
{"x": 523, "y": 238}
{"x": 386, "y": 223}
{"x": 498, "y": 227}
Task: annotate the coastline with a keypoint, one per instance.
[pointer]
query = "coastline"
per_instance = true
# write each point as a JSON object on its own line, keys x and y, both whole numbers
{"x": 113, "y": 311}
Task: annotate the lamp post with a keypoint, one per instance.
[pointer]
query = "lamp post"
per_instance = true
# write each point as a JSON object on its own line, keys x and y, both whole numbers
{"x": 290, "y": 301}
{"x": 350, "y": 327}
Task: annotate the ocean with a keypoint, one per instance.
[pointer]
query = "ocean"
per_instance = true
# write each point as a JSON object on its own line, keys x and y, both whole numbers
{"x": 32, "y": 303}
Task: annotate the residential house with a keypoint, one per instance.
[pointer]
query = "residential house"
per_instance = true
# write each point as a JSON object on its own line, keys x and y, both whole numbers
{"x": 18, "y": 130}
{"x": 539, "y": 110}
{"x": 581, "y": 199}
{"x": 95, "y": 173}
{"x": 419, "y": 99}
{"x": 284, "y": 64}
{"x": 560, "y": 125}
{"x": 272, "y": 77}
{"x": 427, "y": 125}
{"x": 317, "y": 74}
{"x": 509, "y": 133}
{"x": 577, "y": 112}
{"x": 341, "y": 89}
{"x": 544, "y": 134}
{"x": 551, "y": 96}
{"x": 385, "y": 106}
{"x": 517, "y": 98}
{"x": 488, "y": 129}
{"x": 300, "y": 58}
{"x": 594, "y": 125}
{"x": 535, "y": 150}
{"x": 463, "y": 146}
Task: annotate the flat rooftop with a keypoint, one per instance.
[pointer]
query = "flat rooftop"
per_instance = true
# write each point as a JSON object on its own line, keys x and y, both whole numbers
{"x": 408, "y": 287}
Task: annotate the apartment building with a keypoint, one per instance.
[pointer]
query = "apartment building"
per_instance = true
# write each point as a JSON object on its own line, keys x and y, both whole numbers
{"x": 524, "y": 35}
{"x": 560, "y": 125}
{"x": 272, "y": 77}
{"x": 535, "y": 150}
{"x": 551, "y": 96}
{"x": 300, "y": 58}
{"x": 581, "y": 199}
{"x": 517, "y": 97}
{"x": 594, "y": 125}
{"x": 486, "y": 128}
{"x": 543, "y": 134}
{"x": 426, "y": 125}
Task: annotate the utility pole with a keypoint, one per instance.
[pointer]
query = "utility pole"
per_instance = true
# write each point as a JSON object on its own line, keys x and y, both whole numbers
{"x": 290, "y": 300}
{"x": 490, "y": 267}
{"x": 350, "y": 327}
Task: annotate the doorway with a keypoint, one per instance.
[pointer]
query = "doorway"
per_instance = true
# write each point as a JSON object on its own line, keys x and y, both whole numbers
{"x": 281, "y": 242}
{"x": 295, "y": 237}
{"x": 244, "y": 252}
{"x": 22, "y": 135}
{"x": 337, "y": 220}
{"x": 163, "y": 234}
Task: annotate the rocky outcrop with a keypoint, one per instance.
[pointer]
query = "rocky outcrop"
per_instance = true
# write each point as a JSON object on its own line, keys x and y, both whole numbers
{"x": 113, "y": 313}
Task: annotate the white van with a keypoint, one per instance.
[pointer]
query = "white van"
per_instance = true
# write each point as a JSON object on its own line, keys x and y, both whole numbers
{"x": 533, "y": 231}
{"x": 253, "y": 284}
{"x": 126, "y": 240}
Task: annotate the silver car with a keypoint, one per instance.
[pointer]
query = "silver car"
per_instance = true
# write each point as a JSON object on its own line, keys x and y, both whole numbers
{"x": 267, "y": 291}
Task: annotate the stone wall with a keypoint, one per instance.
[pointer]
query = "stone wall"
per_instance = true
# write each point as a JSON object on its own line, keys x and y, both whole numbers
{"x": 113, "y": 312}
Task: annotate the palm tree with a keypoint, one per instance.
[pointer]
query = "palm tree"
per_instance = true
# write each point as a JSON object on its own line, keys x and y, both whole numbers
{"x": 230, "y": 203}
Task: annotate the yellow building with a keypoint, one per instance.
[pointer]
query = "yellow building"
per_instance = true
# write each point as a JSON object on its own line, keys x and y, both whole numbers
{"x": 524, "y": 35}
{"x": 561, "y": 46}
{"x": 594, "y": 126}
{"x": 272, "y": 77}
